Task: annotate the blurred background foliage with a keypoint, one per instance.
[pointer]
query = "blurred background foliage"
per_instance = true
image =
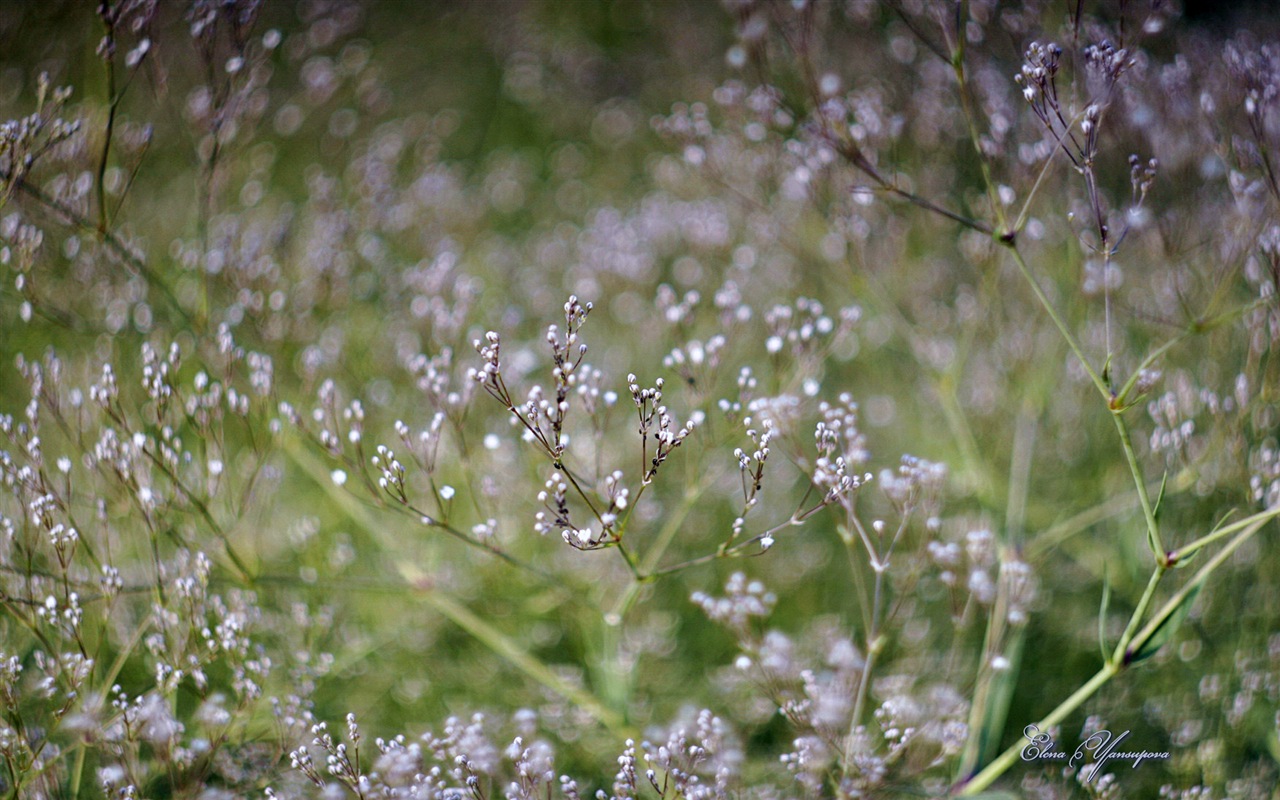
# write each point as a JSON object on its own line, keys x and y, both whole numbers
{"x": 524, "y": 131}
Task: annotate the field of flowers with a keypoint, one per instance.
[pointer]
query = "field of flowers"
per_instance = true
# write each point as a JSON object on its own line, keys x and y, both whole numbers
{"x": 528, "y": 399}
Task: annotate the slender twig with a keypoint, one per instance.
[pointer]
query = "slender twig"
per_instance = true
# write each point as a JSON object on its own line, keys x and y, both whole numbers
{"x": 1186, "y": 551}
{"x": 1148, "y": 510}
{"x": 1139, "y": 612}
{"x": 1058, "y": 321}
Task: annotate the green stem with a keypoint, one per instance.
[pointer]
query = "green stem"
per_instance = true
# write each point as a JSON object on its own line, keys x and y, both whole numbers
{"x": 1083, "y": 521}
{"x": 1172, "y": 604}
{"x": 864, "y": 686}
{"x": 1138, "y": 613}
{"x": 977, "y": 710}
{"x": 497, "y": 641}
{"x": 1197, "y": 327}
{"x": 1058, "y": 321}
{"x": 1035, "y": 188}
{"x": 522, "y": 660}
{"x": 77, "y": 772}
{"x": 672, "y": 526}
{"x": 630, "y": 562}
{"x": 652, "y": 556}
{"x": 1188, "y": 550}
{"x": 359, "y": 513}
{"x": 1123, "y": 396}
{"x": 1148, "y": 511}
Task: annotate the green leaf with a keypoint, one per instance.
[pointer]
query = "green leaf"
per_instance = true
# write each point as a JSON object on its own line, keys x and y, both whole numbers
{"x": 1165, "y": 630}
{"x": 1225, "y": 519}
{"x": 1185, "y": 560}
{"x": 999, "y": 697}
{"x": 1164, "y": 481}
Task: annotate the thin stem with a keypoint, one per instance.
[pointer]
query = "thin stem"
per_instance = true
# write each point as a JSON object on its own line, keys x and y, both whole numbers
{"x": 864, "y": 686}
{"x": 631, "y": 562}
{"x": 1123, "y": 395}
{"x": 1106, "y": 294}
{"x": 671, "y": 527}
{"x": 796, "y": 519}
{"x": 1199, "y": 326}
{"x": 1035, "y": 188}
{"x": 573, "y": 481}
{"x": 521, "y": 659}
{"x": 1058, "y": 321}
{"x": 859, "y": 583}
{"x": 853, "y": 154}
{"x": 978, "y": 710}
{"x": 359, "y": 513}
{"x": 203, "y": 509}
{"x": 500, "y": 643}
{"x": 1138, "y": 613}
{"x": 1083, "y": 521}
{"x": 1171, "y": 605}
{"x": 1188, "y": 550}
{"x": 1148, "y": 511}
{"x": 874, "y": 640}
{"x": 448, "y": 529}
{"x": 929, "y": 205}
{"x": 875, "y": 643}
{"x": 77, "y": 771}
{"x": 962, "y": 433}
